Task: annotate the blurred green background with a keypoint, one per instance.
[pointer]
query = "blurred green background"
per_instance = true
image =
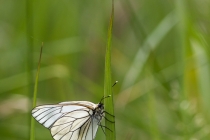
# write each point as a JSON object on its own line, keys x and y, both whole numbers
{"x": 160, "y": 56}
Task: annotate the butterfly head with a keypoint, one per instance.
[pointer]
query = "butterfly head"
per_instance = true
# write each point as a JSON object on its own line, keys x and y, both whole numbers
{"x": 100, "y": 107}
{"x": 100, "y": 104}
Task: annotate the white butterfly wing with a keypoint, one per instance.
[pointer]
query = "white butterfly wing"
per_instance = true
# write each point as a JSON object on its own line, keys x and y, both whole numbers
{"x": 82, "y": 103}
{"x": 72, "y": 126}
{"x": 48, "y": 114}
{"x": 68, "y": 120}
{"x": 91, "y": 133}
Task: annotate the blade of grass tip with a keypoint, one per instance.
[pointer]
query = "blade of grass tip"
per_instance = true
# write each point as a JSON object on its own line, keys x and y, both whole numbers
{"x": 32, "y": 133}
{"x": 109, "y": 105}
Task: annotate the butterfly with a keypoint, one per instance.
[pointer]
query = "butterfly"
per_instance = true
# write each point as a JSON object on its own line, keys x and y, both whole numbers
{"x": 73, "y": 120}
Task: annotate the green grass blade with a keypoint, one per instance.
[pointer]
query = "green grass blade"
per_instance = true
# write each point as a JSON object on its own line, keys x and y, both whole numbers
{"x": 109, "y": 106}
{"x": 32, "y": 131}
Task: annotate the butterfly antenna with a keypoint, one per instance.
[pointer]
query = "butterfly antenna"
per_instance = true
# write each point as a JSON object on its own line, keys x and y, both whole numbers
{"x": 105, "y": 97}
{"x": 115, "y": 83}
{"x": 109, "y": 95}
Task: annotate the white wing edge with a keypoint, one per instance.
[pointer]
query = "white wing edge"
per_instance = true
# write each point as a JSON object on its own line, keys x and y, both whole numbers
{"x": 47, "y": 115}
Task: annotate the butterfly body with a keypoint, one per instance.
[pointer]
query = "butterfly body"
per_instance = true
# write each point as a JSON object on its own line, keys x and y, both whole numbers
{"x": 74, "y": 120}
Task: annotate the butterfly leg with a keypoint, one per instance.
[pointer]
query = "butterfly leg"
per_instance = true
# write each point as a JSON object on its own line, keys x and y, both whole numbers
{"x": 108, "y": 113}
{"x": 102, "y": 115}
{"x": 102, "y": 129}
{"x": 102, "y": 126}
{"x": 108, "y": 120}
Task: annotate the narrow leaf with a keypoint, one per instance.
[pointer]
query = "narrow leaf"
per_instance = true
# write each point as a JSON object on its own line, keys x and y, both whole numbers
{"x": 109, "y": 105}
{"x": 32, "y": 133}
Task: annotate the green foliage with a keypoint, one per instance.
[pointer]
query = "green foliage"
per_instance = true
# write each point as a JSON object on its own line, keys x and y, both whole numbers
{"x": 160, "y": 56}
{"x": 109, "y": 105}
{"x": 32, "y": 131}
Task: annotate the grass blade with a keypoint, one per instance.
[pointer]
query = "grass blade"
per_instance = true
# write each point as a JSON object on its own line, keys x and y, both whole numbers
{"x": 32, "y": 133}
{"x": 109, "y": 106}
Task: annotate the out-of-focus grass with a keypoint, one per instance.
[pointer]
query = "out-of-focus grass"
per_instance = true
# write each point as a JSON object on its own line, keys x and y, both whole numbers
{"x": 163, "y": 92}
